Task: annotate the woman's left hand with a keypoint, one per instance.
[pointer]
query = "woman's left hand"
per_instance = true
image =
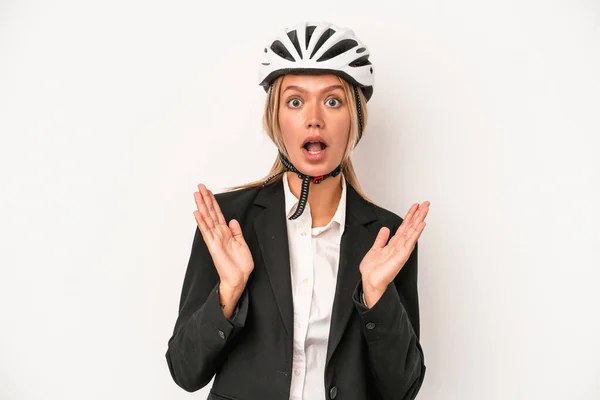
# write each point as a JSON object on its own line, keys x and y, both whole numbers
{"x": 382, "y": 263}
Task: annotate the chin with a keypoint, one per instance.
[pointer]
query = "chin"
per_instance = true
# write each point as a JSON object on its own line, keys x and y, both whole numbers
{"x": 313, "y": 168}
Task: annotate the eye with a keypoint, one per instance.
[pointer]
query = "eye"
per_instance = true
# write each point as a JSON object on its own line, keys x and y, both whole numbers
{"x": 294, "y": 102}
{"x": 334, "y": 102}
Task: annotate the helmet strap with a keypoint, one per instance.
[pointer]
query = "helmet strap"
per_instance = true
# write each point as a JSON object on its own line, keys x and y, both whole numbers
{"x": 359, "y": 114}
{"x": 306, "y": 180}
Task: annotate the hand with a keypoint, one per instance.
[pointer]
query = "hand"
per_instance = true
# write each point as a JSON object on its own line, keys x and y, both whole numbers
{"x": 226, "y": 244}
{"x": 382, "y": 263}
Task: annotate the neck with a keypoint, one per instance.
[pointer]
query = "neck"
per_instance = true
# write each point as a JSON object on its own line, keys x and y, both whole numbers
{"x": 323, "y": 197}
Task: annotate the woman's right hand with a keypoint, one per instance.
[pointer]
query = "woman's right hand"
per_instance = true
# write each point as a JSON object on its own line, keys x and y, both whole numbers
{"x": 226, "y": 244}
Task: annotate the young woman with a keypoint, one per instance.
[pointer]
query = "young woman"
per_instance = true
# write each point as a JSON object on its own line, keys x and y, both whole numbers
{"x": 298, "y": 286}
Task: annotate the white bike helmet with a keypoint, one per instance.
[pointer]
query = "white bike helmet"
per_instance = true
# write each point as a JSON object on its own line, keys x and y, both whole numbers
{"x": 318, "y": 48}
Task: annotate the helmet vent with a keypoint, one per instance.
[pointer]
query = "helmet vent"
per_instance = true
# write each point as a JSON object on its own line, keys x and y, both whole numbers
{"x": 340, "y": 47}
{"x": 293, "y": 35}
{"x": 279, "y": 49}
{"x": 326, "y": 35}
{"x": 361, "y": 61}
{"x": 309, "y": 32}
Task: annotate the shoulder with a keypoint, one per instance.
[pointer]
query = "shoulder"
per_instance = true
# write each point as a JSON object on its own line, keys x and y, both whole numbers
{"x": 237, "y": 197}
{"x": 387, "y": 217}
{"x": 366, "y": 211}
{"x": 235, "y": 203}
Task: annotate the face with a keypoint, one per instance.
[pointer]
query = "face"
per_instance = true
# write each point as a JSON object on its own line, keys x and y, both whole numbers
{"x": 313, "y": 108}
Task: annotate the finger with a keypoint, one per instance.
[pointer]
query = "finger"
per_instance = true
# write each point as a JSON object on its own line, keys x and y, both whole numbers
{"x": 415, "y": 235}
{"x": 411, "y": 212}
{"x": 413, "y": 219}
{"x": 209, "y": 204}
{"x": 220, "y": 217}
{"x": 204, "y": 230}
{"x": 412, "y": 236}
{"x": 382, "y": 237}
{"x": 203, "y": 210}
{"x": 405, "y": 223}
{"x": 236, "y": 230}
{"x": 400, "y": 240}
{"x": 421, "y": 214}
{"x": 403, "y": 239}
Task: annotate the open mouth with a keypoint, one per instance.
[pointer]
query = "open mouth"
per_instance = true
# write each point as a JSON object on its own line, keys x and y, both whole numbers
{"x": 314, "y": 147}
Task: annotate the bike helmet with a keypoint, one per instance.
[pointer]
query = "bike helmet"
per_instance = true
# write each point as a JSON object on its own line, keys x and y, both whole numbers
{"x": 317, "y": 48}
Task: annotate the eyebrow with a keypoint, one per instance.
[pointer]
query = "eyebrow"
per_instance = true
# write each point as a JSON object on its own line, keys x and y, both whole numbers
{"x": 327, "y": 89}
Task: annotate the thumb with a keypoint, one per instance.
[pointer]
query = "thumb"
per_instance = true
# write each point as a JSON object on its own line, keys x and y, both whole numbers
{"x": 236, "y": 229}
{"x": 382, "y": 237}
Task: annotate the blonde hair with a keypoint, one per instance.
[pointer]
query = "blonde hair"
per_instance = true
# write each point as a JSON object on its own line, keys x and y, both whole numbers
{"x": 273, "y": 130}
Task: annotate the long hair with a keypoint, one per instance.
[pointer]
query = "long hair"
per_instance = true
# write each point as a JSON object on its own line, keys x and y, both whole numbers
{"x": 273, "y": 130}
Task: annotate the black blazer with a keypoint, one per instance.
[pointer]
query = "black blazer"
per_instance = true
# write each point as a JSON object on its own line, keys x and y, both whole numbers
{"x": 372, "y": 354}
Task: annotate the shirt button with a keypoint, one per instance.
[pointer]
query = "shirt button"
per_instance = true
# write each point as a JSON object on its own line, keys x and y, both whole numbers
{"x": 333, "y": 392}
{"x": 297, "y": 372}
{"x": 370, "y": 325}
{"x": 222, "y": 334}
{"x": 305, "y": 281}
{"x": 303, "y": 233}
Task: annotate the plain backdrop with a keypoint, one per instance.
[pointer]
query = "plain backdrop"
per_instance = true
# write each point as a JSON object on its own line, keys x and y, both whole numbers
{"x": 111, "y": 112}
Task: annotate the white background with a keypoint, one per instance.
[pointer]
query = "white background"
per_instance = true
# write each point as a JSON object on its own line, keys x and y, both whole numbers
{"x": 112, "y": 112}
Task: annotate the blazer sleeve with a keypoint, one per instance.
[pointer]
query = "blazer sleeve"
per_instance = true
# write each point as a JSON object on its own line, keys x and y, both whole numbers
{"x": 391, "y": 330}
{"x": 202, "y": 334}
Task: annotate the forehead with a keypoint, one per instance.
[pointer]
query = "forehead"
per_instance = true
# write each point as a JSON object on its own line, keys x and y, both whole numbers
{"x": 310, "y": 82}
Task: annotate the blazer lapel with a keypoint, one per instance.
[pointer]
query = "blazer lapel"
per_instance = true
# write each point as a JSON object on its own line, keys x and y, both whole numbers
{"x": 355, "y": 243}
{"x": 271, "y": 230}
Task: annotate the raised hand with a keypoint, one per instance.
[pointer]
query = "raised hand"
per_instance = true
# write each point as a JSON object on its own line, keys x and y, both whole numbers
{"x": 382, "y": 262}
{"x": 226, "y": 244}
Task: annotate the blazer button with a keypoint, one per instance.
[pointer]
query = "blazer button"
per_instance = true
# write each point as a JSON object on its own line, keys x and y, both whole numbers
{"x": 333, "y": 392}
{"x": 222, "y": 334}
{"x": 370, "y": 325}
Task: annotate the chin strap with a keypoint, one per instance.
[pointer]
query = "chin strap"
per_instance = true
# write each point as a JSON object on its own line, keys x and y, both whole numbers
{"x": 306, "y": 179}
{"x": 359, "y": 112}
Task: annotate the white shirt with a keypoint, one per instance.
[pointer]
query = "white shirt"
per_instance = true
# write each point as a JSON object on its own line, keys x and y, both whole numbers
{"x": 314, "y": 260}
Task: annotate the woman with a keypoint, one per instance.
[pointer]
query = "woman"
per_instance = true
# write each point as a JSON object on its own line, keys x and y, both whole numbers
{"x": 298, "y": 286}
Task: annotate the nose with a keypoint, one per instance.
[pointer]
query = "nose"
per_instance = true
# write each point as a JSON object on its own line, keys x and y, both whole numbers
{"x": 314, "y": 118}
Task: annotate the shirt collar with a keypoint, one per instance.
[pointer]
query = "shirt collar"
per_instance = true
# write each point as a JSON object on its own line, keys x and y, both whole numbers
{"x": 291, "y": 201}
